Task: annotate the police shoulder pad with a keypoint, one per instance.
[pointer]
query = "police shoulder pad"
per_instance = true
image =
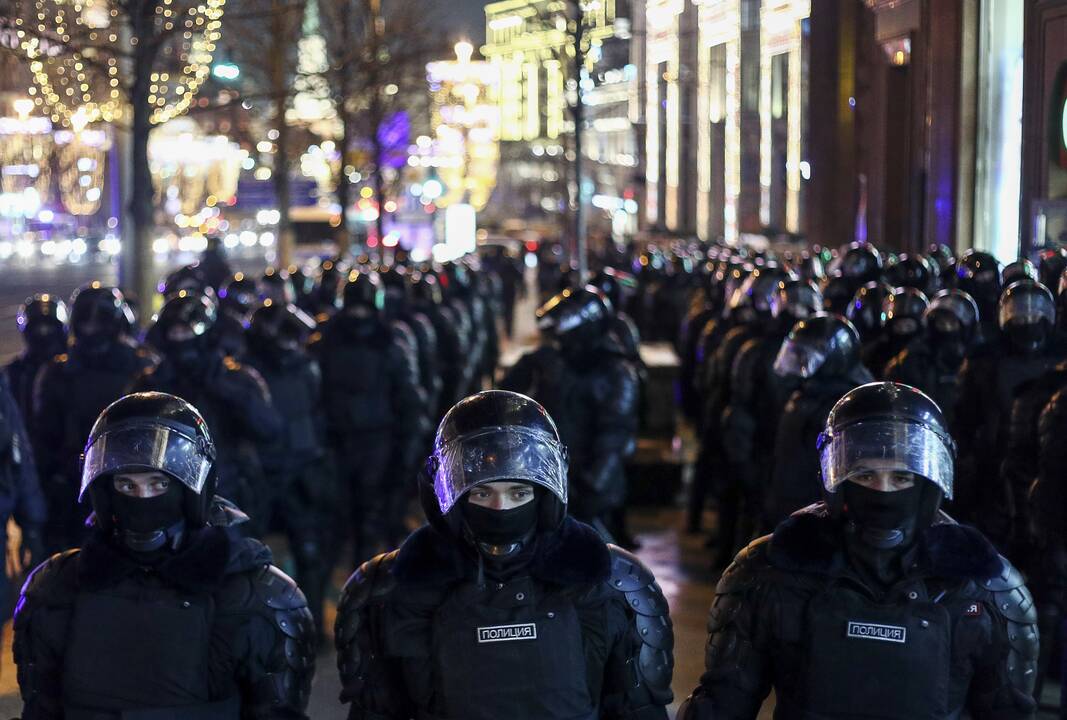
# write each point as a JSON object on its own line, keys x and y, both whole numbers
{"x": 277, "y": 590}
{"x": 53, "y": 582}
{"x": 743, "y": 571}
{"x": 1013, "y": 599}
{"x": 645, "y": 600}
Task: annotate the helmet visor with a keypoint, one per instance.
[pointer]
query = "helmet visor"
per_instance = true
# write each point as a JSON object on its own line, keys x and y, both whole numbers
{"x": 499, "y": 453}
{"x": 148, "y": 448}
{"x": 887, "y": 445}
{"x": 1027, "y": 309}
{"x": 798, "y": 360}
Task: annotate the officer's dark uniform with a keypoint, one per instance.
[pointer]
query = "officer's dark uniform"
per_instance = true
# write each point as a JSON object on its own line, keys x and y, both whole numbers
{"x": 374, "y": 406}
{"x": 758, "y": 397}
{"x": 300, "y": 489}
{"x": 932, "y": 361}
{"x": 902, "y": 314}
{"x": 582, "y": 377}
{"x": 873, "y": 604}
{"x": 470, "y": 621}
{"x": 978, "y": 275}
{"x": 233, "y": 397}
{"x": 98, "y": 368}
{"x": 160, "y": 614}
{"x": 20, "y": 492}
{"x": 823, "y": 351}
{"x": 991, "y": 380}
{"x": 42, "y": 322}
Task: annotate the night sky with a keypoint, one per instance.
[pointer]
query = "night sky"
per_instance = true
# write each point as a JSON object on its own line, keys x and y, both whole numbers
{"x": 466, "y": 18}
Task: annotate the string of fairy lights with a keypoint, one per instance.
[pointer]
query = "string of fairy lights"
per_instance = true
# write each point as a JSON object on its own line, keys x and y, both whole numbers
{"x": 75, "y": 47}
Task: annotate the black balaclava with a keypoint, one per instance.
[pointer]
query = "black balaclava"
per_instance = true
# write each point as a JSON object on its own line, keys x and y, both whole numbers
{"x": 1027, "y": 337}
{"x": 946, "y": 338}
{"x": 504, "y": 539}
{"x": 881, "y": 528}
{"x": 148, "y": 526}
{"x": 43, "y": 343}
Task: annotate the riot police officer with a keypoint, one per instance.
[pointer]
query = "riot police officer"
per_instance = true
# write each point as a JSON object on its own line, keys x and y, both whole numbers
{"x": 902, "y": 316}
{"x": 931, "y": 362}
{"x": 978, "y": 275}
{"x": 991, "y": 380}
{"x": 758, "y": 396}
{"x": 503, "y": 606}
{"x": 299, "y": 493}
{"x": 42, "y": 323}
{"x": 374, "y": 407}
{"x": 160, "y": 614}
{"x": 581, "y": 375}
{"x": 233, "y": 397}
{"x": 71, "y": 391}
{"x": 822, "y": 353}
{"x": 20, "y": 493}
{"x": 873, "y": 602}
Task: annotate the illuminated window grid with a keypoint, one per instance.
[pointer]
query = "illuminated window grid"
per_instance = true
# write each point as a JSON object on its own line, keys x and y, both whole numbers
{"x": 719, "y": 24}
{"x": 663, "y": 23}
{"x": 780, "y": 33}
{"x": 517, "y": 33}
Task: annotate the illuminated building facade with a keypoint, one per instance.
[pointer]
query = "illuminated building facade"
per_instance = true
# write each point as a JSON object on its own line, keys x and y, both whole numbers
{"x": 528, "y": 47}
{"x": 466, "y": 128}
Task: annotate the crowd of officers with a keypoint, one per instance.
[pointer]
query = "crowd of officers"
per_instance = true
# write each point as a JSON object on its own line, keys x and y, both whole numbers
{"x": 843, "y": 401}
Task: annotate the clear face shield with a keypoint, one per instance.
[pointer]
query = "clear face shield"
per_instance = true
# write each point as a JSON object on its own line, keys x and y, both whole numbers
{"x": 887, "y": 445}
{"x": 148, "y": 448}
{"x": 798, "y": 360}
{"x": 1026, "y": 309}
{"x": 497, "y": 454}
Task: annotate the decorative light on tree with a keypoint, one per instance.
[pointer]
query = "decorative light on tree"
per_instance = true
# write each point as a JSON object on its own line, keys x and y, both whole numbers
{"x": 75, "y": 48}
{"x": 81, "y": 157}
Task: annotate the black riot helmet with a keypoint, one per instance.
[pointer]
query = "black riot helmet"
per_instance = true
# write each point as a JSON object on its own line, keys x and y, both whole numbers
{"x": 978, "y": 275}
{"x": 42, "y": 322}
{"x": 364, "y": 291}
{"x": 752, "y": 300}
{"x": 796, "y": 299}
{"x": 903, "y": 311}
{"x": 188, "y": 277}
{"x": 911, "y": 271}
{"x": 578, "y": 317}
{"x": 239, "y": 295}
{"x": 941, "y": 257}
{"x": 150, "y": 432}
{"x": 864, "y": 311}
{"x": 1021, "y": 269}
{"x": 398, "y": 289}
{"x": 426, "y": 289}
{"x": 810, "y": 266}
{"x": 820, "y": 346}
{"x": 616, "y": 285}
{"x": 278, "y": 328}
{"x": 276, "y": 285}
{"x": 99, "y": 315}
{"x": 953, "y": 312}
{"x": 1026, "y": 313}
{"x": 184, "y": 330}
{"x": 494, "y": 436}
{"x": 837, "y": 293}
{"x": 886, "y": 427}
{"x": 1051, "y": 264}
{"x": 859, "y": 263}
{"x": 328, "y": 287}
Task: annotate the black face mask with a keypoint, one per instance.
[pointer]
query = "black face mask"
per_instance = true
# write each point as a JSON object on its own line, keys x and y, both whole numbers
{"x": 949, "y": 346}
{"x": 501, "y": 528}
{"x": 146, "y": 525}
{"x": 883, "y": 520}
{"x": 1028, "y": 337}
{"x": 94, "y": 344}
{"x": 188, "y": 356}
{"x": 44, "y": 345}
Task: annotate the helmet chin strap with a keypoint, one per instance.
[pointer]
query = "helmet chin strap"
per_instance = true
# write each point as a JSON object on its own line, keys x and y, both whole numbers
{"x": 147, "y": 542}
{"x": 499, "y": 551}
